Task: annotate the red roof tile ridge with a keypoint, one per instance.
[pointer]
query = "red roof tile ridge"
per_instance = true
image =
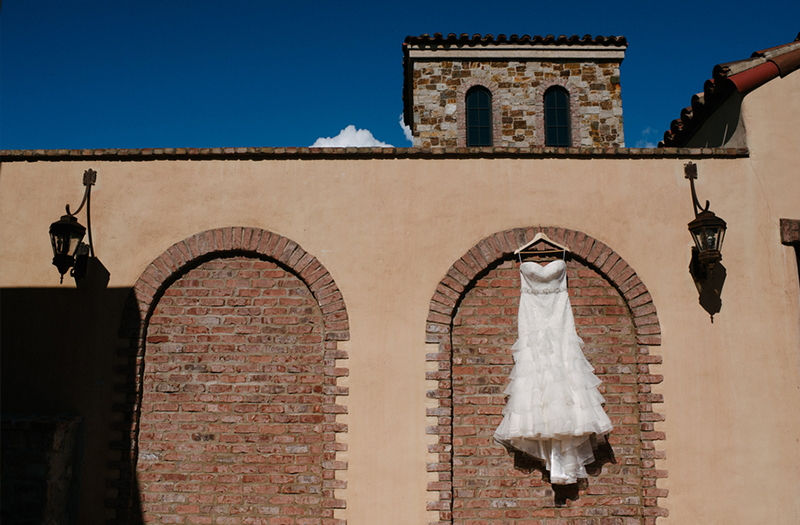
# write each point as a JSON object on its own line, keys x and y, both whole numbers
{"x": 756, "y": 59}
{"x": 732, "y": 68}
{"x": 755, "y": 77}
{"x": 787, "y": 62}
{"x": 778, "y": 50}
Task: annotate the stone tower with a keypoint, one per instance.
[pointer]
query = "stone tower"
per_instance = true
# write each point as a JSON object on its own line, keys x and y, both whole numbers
{"x": 513, "y": 91}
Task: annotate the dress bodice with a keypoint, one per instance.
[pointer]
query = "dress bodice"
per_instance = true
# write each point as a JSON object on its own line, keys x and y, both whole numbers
{"x": 537, "y": 279}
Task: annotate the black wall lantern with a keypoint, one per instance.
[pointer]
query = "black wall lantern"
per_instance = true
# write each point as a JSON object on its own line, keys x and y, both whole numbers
{"x": 66, "y": 235}
{"x": 708, "y": 232}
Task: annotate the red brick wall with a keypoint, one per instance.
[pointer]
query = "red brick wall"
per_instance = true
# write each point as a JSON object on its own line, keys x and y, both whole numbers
{"x": 472, "y": 317}
{"x": 486, "y": 486}
{"x": 154, "y": 284}
{"x": 233, "y": 424}
{"x": 790, "y": 231}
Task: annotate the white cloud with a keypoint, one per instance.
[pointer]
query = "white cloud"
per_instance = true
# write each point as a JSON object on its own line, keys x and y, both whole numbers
{"x": 406, "y": 129}
{"x": 645, "y": 141}
{"x": 350, "y": 137}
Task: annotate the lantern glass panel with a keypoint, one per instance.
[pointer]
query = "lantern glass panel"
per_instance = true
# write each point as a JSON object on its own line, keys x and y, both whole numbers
{"x": 710, "y": 233}
{"x": 57, "y": 242}
{"x": 698, "y": 236}
{"x": 65, "y": 244}
{"x": 66, "y": 235}
{"x": 74, "y": 241}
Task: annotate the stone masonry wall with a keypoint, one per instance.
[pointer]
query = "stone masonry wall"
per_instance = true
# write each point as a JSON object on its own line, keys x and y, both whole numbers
{"x": 238, "y": 417}
{"x": 517, "y": 89}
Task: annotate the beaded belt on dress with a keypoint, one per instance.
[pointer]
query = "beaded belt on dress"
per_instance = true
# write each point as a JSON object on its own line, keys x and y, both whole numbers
{"x": 562, "y": 288}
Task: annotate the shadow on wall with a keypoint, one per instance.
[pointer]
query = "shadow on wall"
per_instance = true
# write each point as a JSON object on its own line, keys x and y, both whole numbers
{"x": 60, "y": 362}
{"x": 604, "y": 454}
{"x": 709, "y": 284}
{"x": 710, "y": 292}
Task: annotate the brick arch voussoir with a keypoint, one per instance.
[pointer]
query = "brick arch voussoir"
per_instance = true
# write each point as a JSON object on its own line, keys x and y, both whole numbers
{"x": 501, "y": 245}
{"x": 243, "y": 240}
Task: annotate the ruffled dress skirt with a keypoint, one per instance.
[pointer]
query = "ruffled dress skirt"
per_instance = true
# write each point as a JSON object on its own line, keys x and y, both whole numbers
{"x": 554, "y": 412}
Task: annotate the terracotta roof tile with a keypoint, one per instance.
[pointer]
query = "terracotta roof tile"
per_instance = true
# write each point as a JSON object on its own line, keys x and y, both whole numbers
{"x": 475, "y": 39}
{"x": 742, "y": 76}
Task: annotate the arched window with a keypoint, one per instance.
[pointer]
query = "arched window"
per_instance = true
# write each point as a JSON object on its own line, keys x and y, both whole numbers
{"x": 556, "y": 117}
{"x": 479, "y": 117}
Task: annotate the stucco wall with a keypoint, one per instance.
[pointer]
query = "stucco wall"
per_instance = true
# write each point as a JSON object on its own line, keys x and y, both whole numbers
{"x": 387, "y": 230}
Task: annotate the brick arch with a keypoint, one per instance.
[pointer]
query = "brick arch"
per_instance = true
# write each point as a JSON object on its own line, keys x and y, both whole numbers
{"x": 255, "y": 242}
{"x": 486, "y": 257}
{"x": 461, "y": 109}
{"x": 584, "y": 247}
{"x": 574, "y": 109}
{"x": 150, "y": 287}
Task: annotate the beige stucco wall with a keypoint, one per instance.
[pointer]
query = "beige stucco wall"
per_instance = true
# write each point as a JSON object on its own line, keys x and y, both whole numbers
{"x": 388, "y": 230}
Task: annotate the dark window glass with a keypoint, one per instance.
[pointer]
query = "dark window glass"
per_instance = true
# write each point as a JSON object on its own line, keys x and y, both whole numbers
{"x": 479, "y": 117}
{"x": 556, "y": 118}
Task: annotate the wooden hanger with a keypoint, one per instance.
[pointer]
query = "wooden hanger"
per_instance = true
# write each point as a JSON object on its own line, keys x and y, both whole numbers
{"x": 542, "y": 237}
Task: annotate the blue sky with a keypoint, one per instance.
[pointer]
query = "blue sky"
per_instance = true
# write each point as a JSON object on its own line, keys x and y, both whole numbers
{"x": 196, "y": 73}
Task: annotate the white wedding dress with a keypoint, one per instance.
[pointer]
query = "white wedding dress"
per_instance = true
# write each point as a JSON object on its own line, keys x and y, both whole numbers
{"x": 554, "y": 411}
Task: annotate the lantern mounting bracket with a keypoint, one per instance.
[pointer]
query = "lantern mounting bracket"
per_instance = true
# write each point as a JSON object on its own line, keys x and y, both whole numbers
{"x": 690, "y": 171}
{"x": 89, "y": 179}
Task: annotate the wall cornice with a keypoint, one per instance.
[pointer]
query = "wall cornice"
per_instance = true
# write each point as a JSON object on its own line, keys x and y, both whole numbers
{"x": 145, "y": 154}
